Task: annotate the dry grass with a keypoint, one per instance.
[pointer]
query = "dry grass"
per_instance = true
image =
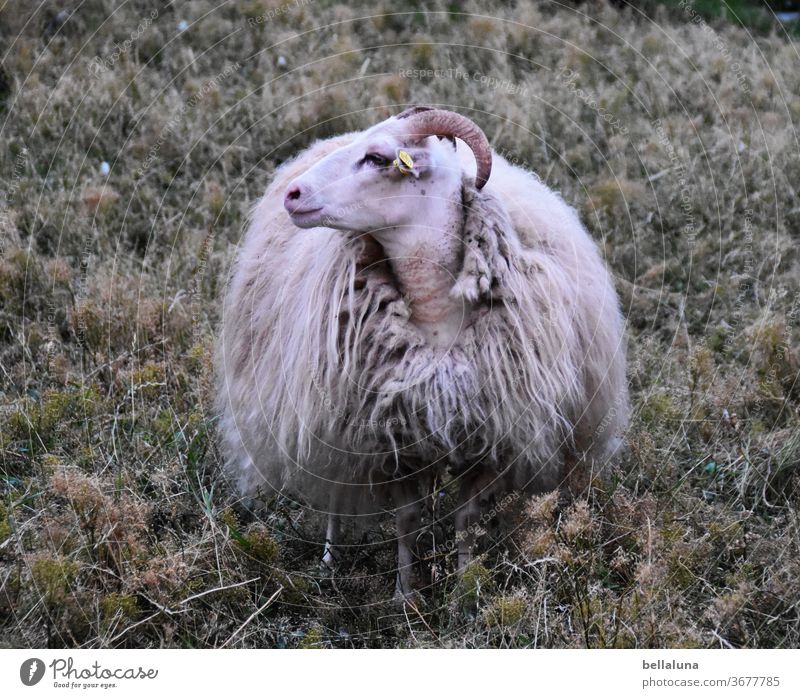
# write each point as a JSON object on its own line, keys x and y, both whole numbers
{"x": 677, "y": 143}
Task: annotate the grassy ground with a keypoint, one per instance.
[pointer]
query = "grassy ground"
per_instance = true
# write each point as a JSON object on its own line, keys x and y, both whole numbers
{"x": 674, "y": 138}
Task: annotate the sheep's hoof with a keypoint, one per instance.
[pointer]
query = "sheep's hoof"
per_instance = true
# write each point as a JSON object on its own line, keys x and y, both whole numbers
{"x": 412, "y": 597}
{"x": 464, "y": 560}
{"x": 405, "y": 594}
{"x": 327, "y": 565}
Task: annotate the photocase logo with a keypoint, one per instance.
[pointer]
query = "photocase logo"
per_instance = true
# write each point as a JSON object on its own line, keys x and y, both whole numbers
{"x": 31, "y": 671}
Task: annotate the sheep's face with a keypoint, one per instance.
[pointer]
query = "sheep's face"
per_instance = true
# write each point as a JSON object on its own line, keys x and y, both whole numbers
{"x": 381, "y": 180}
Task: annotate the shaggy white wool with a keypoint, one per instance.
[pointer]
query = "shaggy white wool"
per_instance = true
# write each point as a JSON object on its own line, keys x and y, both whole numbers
{"x": 328, "y": 389}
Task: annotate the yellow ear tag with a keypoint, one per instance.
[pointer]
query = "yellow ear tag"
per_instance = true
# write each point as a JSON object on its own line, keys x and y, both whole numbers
{"x": 404, "y": 162}
{"x": 405, "y": 158}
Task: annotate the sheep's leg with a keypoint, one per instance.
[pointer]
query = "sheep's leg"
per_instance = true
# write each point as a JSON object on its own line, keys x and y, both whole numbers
{"x": 331, "y": 535}
{"x": 577, "y": 475}
{"x": 332, "y": 532}
{"x": 408, "y": 520}
{"x": 473, "y": 493}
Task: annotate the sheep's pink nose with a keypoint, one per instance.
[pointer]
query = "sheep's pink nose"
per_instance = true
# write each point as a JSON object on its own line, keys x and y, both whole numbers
{"x": 293, "y": 198}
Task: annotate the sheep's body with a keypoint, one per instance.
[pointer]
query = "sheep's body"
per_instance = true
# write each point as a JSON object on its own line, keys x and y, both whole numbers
{"x": 329, "y": 392}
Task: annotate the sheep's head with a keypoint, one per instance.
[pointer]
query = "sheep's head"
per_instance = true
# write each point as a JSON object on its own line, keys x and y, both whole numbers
{"x": 376, "y": 180}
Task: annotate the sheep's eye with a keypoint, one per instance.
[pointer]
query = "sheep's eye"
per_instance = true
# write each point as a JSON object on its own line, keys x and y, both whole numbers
{"x": 376, "y": 159}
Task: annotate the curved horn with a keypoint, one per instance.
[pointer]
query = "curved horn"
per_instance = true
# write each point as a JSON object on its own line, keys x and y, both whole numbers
{"x": 429, "y": 121}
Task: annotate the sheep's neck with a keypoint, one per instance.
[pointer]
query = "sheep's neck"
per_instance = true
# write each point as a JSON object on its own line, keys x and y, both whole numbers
{"x": 426, "y": 260}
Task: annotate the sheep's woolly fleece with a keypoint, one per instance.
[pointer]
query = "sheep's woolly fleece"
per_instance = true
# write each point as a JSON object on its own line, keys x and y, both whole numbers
{"x": 326, "y": 386}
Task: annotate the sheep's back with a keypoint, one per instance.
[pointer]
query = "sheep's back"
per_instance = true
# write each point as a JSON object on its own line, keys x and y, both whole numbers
{"x": 547, "y": 225}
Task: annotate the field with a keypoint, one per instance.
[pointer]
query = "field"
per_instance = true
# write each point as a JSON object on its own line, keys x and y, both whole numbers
{"x": 135, "y": 138}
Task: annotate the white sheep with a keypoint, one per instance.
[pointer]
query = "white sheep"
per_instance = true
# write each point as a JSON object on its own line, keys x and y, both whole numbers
{"x": 422, "y": 324}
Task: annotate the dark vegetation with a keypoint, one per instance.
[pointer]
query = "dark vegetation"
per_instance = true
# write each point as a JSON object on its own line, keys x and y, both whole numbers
{"x": 673, "y": 133}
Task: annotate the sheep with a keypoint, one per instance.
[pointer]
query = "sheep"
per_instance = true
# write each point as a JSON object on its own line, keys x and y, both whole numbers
{"x": 393, "y": 319}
